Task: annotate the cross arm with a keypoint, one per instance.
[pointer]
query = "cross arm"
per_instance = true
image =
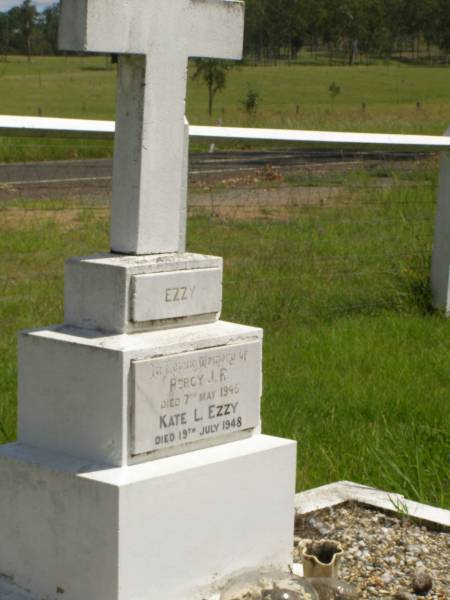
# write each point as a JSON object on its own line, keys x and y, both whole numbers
{"x": 73, "y": 25}
{"x": 199, "y": 28}
{"x": 97, "y": 26}
{"x": 222, "y": 32}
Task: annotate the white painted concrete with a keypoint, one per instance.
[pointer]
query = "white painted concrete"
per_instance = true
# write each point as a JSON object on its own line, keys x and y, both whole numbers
{"x": 154, "y": 39}
{"x": 440, "y": 264}
{"x": 74, "y": 385}
{"x": 157, "y": 530}
{"x": 340, "y": 492}
{"x": 24, "y": 126}
{"x": 42, "y": 126}
{"x": 127, "y": 294}
{"x": 326, "y": 137}
{"x": 54, "y": 523}
{"x": 176, "y": 294}
{"x": 194, "y": 396}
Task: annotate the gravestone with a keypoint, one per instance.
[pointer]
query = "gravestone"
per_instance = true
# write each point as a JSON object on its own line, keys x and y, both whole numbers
{"x": 140, "y": 471}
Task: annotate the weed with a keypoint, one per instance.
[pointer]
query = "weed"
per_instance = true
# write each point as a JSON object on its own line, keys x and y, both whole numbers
{"x": 251, "y": 101}
{"x": 400, "y": 506}
{"x": 334, "y": 90}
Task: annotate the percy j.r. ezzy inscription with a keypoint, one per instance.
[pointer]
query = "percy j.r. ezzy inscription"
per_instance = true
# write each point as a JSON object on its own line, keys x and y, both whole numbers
{"x": 195, "y": 395}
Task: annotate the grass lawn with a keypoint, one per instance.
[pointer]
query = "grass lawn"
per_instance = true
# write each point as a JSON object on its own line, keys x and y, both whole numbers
{"x": 84, "y": 87}
{"x": 356, "y": 365}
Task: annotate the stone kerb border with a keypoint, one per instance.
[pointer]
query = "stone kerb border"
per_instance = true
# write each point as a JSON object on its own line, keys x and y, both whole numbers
{"x": 340, "y": 492}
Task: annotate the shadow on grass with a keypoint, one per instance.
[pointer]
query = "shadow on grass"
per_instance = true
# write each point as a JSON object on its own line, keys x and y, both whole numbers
{"x": 4, "y": 437}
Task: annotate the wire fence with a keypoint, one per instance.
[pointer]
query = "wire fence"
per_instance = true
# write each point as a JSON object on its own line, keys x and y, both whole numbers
{"x": 348, "y": 247}
{"x": 316, "y": 218}
{"x": 354, "y": 240}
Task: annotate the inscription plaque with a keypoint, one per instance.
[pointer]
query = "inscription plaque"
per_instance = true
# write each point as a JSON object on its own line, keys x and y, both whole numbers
{"x": 176, "y": 294}
{"x": 195, "y": 396}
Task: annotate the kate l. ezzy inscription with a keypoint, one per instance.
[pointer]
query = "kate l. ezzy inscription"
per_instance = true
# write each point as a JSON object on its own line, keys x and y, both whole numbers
{"x": 193, "y": 396}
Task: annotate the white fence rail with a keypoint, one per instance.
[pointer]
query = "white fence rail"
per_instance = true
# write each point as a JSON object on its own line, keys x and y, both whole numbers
{"x": 440, "y": 267}
{"x": 42, "y": 126}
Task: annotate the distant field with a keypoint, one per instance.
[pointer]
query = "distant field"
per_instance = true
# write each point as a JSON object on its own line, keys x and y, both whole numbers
{"x": 356, "y": 367}
{"x": 85, "y": 88}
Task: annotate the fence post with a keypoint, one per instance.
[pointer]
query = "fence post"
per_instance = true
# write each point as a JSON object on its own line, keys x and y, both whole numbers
{"x": 440, "y": 263}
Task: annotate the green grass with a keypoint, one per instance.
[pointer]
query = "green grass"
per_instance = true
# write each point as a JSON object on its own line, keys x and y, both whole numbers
{"x": 356, "y": 365}
{"x": 84, "y": 87}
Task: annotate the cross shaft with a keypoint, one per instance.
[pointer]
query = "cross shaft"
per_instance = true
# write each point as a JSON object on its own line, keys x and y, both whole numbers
{"x": 155, "y": 38}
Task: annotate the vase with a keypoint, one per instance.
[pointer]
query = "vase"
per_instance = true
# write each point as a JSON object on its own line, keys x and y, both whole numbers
{"x": 321, "y": 558}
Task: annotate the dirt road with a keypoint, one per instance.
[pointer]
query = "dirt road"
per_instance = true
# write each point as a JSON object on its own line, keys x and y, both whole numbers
{"x": 92, "y": 178}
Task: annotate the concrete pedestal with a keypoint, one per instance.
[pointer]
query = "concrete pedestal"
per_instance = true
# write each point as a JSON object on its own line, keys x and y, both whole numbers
{"x": 106, "y": 398}
{"x": 127, "y": 294}
{"x": 140, "y": 472}
{"x": 162, "y": 529}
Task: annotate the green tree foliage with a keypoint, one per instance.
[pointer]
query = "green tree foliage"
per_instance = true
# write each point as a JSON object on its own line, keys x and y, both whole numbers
{"x": 24, "y": 31}
{"x": 26, "y": 20}
{"x": 49, "y": 25}
{"x": 279, "y": 29}
{"x": 251, "y": 101}
{"x": 442, "y": 25}
{"x": 4, "y": 35}
{"x": 271, "y": 26}
{"x": 21, "y": 22}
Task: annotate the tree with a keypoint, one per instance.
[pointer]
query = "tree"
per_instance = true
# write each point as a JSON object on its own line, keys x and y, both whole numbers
{"x": 255, "y": 38}
{"x": 316, "y": 18}
{"x": 22, "y": 24}
{"x": 285, "y": 26}
{"x": 4, "y": 35}
{"x": 439, "y": 26}
{"x": 50, "y": 21}
{"x": 29, "y": 14}
{"x": 214, "y": 74}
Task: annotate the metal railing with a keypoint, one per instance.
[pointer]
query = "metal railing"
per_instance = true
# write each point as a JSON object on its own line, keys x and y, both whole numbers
{"x": 440, "y": 267}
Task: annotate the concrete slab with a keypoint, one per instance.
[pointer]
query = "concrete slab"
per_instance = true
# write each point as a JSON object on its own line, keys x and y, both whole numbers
{"x": 340, "y": 492}
{"x": 76, "y": 393}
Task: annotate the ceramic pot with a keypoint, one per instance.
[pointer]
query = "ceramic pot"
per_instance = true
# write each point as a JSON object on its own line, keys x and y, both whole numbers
{"x": 321, "y": 558}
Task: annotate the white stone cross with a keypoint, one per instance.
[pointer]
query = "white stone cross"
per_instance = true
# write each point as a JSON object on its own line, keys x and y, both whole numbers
{"x": 155, "y": 39}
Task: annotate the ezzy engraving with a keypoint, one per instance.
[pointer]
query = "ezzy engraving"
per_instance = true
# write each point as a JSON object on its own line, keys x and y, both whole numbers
{"x": 179, "y": 294}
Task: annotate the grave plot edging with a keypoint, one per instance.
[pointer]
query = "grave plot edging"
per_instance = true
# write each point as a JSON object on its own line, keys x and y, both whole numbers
{"x": 340, "y": 492}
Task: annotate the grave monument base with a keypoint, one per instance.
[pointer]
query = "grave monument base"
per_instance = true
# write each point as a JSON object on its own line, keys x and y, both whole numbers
{"x": 161, "y": 529}
{"x": 114, "y": 399}
{"x": 140, "y": 472}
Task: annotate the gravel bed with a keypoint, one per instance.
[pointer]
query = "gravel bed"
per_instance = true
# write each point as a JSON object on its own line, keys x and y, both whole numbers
{"x": 382, "y": 552}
